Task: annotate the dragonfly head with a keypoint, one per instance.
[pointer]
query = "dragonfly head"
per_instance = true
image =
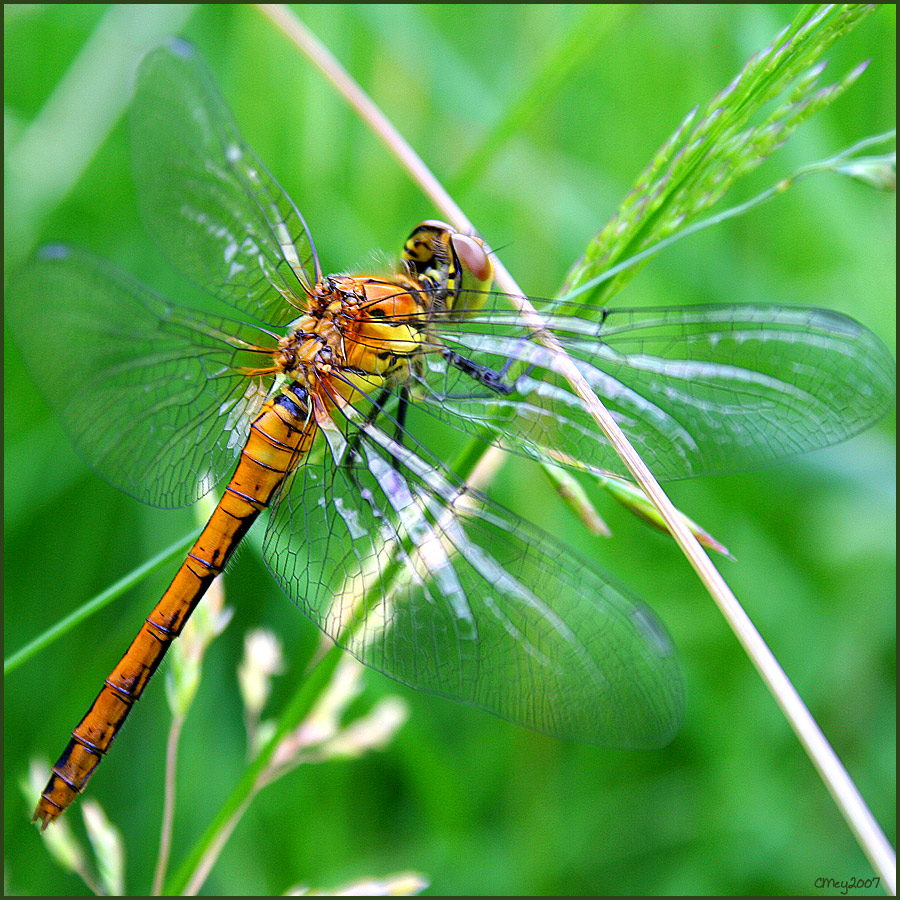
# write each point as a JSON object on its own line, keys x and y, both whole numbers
{"x": 454, "y": 268}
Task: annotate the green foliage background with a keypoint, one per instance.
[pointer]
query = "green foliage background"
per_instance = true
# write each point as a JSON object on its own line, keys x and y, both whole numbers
{"x": 478, "y": 805}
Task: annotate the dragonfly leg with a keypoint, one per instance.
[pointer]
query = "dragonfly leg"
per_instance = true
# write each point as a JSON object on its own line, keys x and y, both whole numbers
{"x": 353, "y": 446}
{"x": 400, "y": 428}
{"x": 485, "y": 375}
{"x": 508, "y": 365}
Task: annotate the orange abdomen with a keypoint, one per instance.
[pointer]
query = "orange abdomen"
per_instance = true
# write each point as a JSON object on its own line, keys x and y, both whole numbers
{"x": 279, "y": 437}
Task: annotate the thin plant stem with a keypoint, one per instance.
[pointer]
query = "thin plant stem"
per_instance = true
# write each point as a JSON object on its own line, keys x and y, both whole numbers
{"x": 839, "y": 784}
{"x": 196, "y": 866}
{"x": 208, "y": 860}
{"x": 87, "y": 877}
{"x": 64, "y": 626}
{"x": 165, "y": 831}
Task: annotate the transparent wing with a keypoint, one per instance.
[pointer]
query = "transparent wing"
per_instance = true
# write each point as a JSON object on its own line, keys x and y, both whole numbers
{"x": 466, "y": 601}
{"x": 206, "y": 197}
{"x": 152, "y": 396}
{"x": 698, "y": 390}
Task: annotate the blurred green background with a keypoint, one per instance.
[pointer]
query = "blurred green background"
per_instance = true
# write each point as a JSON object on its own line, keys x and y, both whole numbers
{"x": 477, "y": 805}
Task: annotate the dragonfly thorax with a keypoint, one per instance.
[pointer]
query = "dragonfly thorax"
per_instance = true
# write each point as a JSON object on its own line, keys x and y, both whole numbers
{"x": 361, "y": 332}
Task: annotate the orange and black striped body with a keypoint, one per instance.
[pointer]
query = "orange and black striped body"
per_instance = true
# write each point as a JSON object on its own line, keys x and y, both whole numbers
{"x": 279, "y": 438}
{"x": 359, "y": 334}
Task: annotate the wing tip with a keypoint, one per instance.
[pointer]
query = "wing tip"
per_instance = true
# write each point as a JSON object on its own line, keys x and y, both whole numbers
{"x": 53, "y": 252}
{"x": 180, "y": 47}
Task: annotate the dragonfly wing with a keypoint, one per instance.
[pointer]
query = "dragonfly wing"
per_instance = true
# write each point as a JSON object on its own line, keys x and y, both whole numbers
{"x": 466, "y": 601}
{"x": 151, "y": 395}
{"x": 208, "y": 200}
{"x": 698, "y": 390}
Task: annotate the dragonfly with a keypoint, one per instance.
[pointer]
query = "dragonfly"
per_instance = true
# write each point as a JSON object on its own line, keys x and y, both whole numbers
{"x": 302, "y": 395}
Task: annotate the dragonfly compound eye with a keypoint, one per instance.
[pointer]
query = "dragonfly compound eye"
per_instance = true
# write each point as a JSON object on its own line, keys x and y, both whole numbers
{"x": 473, "y": 257}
